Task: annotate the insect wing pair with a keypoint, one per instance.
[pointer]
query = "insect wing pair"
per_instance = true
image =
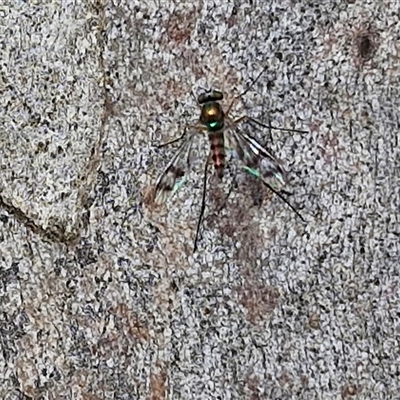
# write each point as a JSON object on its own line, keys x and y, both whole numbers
{"x": 253, "y": 158}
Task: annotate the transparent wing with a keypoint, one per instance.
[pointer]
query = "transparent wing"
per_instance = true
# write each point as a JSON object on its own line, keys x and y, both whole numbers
{"x": 256, "y": 160}
{"x": 174, "y": 175}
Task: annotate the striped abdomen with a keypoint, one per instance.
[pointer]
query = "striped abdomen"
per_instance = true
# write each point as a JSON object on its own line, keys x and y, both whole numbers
{"x": 218, "y": 151}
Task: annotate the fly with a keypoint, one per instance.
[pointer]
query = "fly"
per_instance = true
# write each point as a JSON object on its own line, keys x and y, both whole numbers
{"x": 224, "y": 136}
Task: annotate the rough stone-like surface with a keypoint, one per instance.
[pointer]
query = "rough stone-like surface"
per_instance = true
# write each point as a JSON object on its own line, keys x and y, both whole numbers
{"x": 101, "y": 296}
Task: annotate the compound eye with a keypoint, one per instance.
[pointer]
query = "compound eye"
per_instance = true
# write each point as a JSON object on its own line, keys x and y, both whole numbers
{"x": 203, "y": 98}
{"x": 217, "y": 95}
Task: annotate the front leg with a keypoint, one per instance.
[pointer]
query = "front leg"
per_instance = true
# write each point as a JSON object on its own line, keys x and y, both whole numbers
{"x": 253, "y": 120}
{"x": 187, "y": 128}
{"x": 173, "y": 140}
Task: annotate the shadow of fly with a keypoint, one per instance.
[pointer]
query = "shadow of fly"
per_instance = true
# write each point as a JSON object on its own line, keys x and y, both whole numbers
{"x": 224, "y": 137}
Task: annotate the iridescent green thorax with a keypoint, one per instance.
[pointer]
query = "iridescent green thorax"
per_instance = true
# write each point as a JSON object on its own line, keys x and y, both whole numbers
{"x": 212, "y": 116}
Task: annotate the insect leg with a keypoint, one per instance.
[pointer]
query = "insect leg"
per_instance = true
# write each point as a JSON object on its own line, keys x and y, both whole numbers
{"x": 172, "y": 141}
{"x": 235, "y": 99}
{"x": 246, "y": 90}
{"x": 203, "y": 204}
{"x": 283, "y": 199}
{"x": 187, "y": 127}
{"x": 252, "y": 120}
